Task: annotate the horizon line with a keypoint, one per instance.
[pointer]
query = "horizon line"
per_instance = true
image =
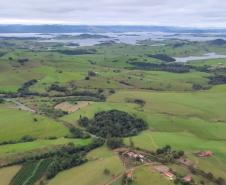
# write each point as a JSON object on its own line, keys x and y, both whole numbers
{"x": 108, "y": 25}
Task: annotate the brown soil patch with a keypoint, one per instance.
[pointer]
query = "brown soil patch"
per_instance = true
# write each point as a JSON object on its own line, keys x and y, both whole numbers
{"x": 65, "y": 106}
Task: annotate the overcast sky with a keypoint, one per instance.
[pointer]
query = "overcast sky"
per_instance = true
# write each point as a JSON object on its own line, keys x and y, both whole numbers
{"x": 196, "y": 13}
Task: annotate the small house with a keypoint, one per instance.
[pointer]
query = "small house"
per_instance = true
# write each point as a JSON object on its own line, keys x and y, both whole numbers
{"x": 205, "y": 154}
{"x": 169, "y": 175}
{"x": 187, "y": 178}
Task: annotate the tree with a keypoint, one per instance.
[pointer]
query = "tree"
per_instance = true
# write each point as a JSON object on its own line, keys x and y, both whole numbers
{"x": 114, "y": 142}
{"x": 2, "y": 100}
{"x": 84, "y": 121}
{"x": 91, "y": 73}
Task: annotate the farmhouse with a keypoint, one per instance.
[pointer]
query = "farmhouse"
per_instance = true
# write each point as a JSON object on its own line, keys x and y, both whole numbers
{"x": 205, "y": 154}
{"x": 129, "y": 175}
{"x": 169, "y": 175}
{"x": 135, "y": 155}
{"x": 165, "y": 171}
{"x": 187, "y": 178}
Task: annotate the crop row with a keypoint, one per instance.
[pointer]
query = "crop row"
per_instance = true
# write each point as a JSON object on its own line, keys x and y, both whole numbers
{"x": 30, "y": 173}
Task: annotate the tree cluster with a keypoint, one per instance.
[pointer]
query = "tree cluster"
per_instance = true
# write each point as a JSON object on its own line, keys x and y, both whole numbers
{"x": 163, "y": 57}
{"x": 167, "y": 155}
{"x": 77, "y": 51}
{"x": 25, "y": 87}
{"x": 63, "y": 163}
{"x": 174, "y": 67}
{"x": 113, "y": 123}
{"x": 208, "y": 175}
{"x": 217, "y": 80}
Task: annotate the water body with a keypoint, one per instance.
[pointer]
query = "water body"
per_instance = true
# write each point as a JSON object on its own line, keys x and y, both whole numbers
{"x": 207, "y": 56}
{"x": 127, "y": 37}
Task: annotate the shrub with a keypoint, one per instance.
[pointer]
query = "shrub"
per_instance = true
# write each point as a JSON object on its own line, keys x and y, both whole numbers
{"x": 106, "y": 171}
{"x": 27, "y": 138}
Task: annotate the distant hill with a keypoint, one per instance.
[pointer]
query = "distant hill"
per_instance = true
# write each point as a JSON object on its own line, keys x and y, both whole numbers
{"x": 218, "y": 42}
{"x": 98, "y": 29}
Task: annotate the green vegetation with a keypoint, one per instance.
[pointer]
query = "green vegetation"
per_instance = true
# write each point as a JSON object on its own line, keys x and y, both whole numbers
{"x": 113, "y": 123}
{"x": 92, "y": 171}
{"x": 15, "y": 124}
{"x": 40, "y": 145}
{"x": 138, "y": 98}
{"x": 147, "y": 176}
{"x": 30, "y": 173}
{"x": 114, "y": 142}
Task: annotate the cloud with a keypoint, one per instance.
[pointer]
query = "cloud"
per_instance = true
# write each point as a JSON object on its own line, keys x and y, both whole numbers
{"x": 209, "y": 13}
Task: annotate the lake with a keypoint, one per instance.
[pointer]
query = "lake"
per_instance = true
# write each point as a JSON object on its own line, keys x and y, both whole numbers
{"x": 127, "y": 37}
{"x": 206, "y": 56}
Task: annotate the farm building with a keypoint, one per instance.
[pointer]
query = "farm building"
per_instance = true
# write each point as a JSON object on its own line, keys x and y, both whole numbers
{"x": 135, "y": 155}
{"x": 187, "y": 178}
{"x": 205, "y": 154}
{"x": 165, "y": 171}
{"x": 169, "y": 175}
{"x": 129, "y": 175}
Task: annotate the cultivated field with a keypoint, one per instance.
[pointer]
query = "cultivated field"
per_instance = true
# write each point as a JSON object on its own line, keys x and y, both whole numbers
{"x": 68, "y": 107}
{"x": 8, "y": 173}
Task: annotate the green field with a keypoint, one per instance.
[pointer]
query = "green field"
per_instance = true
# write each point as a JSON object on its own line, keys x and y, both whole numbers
{"x": 15, "y": 124}
{"x": 39, "y": 144}
{"x": 147, "y": 176}
{"x": 91, "y": 172}
{"x": 8, "y": 173}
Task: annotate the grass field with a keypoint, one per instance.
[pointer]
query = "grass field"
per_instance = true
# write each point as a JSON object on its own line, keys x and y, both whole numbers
{"x": 147, "y": 176}
{"x": 91, "y": 172}
{"x": 39, "y": 144}
{"x": 15, "y": 124}
{"x": 186, "y": 121}
{"x": 8, "y": 173}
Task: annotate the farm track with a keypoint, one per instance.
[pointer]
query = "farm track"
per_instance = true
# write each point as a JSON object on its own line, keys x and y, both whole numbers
{"x": 20, "y": 105}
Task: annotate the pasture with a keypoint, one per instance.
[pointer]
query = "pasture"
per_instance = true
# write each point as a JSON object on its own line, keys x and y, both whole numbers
{"x": 92, "y": 172}
{"x": 16, "y": 123}
{"x": 20, "y": 148}
{"x": 147, "y": 176}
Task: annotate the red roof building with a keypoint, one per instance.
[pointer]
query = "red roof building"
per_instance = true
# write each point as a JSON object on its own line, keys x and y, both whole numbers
{"x": 205, "y": 154}
{"x": 169, "y": 175}
{"x": 130, "y": 175}
{"x": 187, "y": 178}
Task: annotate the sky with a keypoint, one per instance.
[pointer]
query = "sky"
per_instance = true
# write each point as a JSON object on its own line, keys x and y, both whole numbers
{"x": 185, "y": 13}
